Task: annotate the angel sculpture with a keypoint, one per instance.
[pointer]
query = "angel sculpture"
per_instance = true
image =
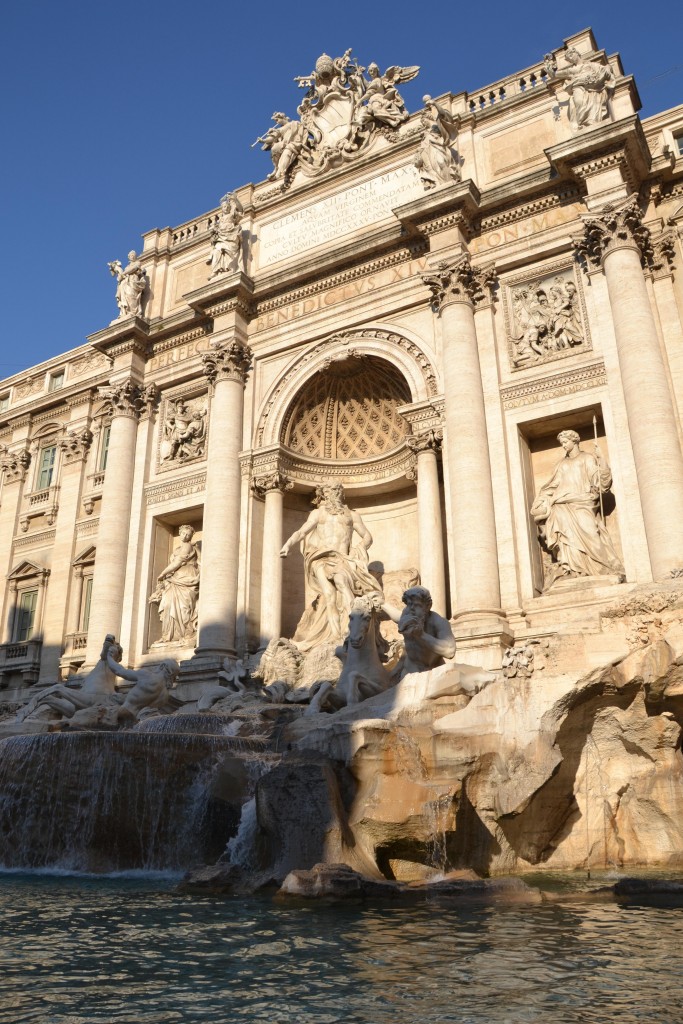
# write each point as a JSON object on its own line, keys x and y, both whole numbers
{"x": 381, "y": 101}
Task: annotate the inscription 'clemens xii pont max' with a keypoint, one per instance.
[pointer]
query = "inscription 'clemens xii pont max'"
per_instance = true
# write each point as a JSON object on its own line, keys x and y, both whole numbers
{"x": 340, "y": 214}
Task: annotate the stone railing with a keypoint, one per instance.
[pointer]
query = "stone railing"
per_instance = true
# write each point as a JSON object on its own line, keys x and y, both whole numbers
{"x": 20, "y": 659}
{"x": 507, "y": 88}
{"x": 93, "y": 490}
{"x": 39, "y": 503}
{"x": 193, "y": 229}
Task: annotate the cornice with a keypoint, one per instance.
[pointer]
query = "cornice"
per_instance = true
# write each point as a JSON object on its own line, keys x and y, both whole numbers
{"x": 458, "y": 204}
{"x": 598, "y": 146}
{"x": 226, "y": 294}
{"x": 122, "y": 336}
{"x": 541, "y": 389}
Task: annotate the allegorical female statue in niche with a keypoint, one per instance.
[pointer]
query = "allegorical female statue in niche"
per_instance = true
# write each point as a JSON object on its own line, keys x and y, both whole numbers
{"x": 177, "y": 591}
{"x": 566, "y": 510}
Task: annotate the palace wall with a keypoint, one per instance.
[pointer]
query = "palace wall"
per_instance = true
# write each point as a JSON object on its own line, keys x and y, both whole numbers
{"x": 421, "y": 346}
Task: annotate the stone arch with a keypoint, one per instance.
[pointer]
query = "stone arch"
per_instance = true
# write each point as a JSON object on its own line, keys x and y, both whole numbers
{"x": 396, "y": 347}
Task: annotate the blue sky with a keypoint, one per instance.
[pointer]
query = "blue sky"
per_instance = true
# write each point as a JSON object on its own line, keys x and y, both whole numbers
{"x": 120, "y": 118}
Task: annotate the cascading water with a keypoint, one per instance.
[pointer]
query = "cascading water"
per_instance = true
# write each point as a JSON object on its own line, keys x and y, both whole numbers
{"x": 164, "y": 796}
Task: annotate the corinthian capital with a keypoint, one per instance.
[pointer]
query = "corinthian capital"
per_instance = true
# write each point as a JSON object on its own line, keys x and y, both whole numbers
{"x": 230, "y": 361}
{"x": 76, "y": 444}
{"x": 429, "y": 440}
{"x": 615, "y": 227}
{"x": 275, "y": 481}
{"x": 15, "y": 464}
{"x": 128, "y": 398}
{"x": 458, "y": 281}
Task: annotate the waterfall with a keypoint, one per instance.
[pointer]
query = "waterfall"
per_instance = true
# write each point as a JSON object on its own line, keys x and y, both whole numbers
{"x": 152, "y": 798}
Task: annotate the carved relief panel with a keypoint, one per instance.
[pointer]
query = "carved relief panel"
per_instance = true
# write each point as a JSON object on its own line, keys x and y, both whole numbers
{"x": 183, "y": 430}
{"x": 545, "y": 316}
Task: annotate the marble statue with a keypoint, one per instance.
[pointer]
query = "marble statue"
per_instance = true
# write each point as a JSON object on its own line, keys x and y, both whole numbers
{"x": 226, "y": 238}
{"x": 590, "y": 85}
{"x": 63, "y": 700}
{"x": 427, "y": 636}
{"x": 340, "y": 112}
{"x": 435, "y": 160}
{"x": 131, "y": 282}
{"x": 284, "y": 141}
{"x": 335, "y": 568}
{"x": 566, "y": 510}
{"x": 363, "y": 674}
{"x": 184, "y": 433}
{"x": 152, "y": 683}
{"x": 381, "y": 101}
{"x": 177, "y": 591}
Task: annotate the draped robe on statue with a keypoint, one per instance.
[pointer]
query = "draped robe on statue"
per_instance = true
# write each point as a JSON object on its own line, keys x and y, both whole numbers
{"x": 573, "y": 532}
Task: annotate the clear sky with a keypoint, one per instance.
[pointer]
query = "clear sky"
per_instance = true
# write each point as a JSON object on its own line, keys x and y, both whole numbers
{"x": 120, "y": 118}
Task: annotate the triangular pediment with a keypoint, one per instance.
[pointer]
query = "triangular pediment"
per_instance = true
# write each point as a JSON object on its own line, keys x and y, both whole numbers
{"x": 26, "y": 569}
{"x": 87, "y": 556}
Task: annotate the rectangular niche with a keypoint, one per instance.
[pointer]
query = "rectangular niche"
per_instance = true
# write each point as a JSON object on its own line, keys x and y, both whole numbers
{"x": 183, "y": 429}
{"x": 545, "y": 315}
{"x": 541, "y": 453}
{"x": 165, "y": 538}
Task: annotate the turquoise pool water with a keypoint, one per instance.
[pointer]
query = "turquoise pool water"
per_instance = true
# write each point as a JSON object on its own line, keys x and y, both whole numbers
{"x": 83, "y": 950}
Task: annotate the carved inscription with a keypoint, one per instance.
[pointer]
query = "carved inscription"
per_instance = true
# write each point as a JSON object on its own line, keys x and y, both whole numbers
{"x": 341, "y": 214}
{"x": 526, "y": 228}
{"x": 343, "y": 293}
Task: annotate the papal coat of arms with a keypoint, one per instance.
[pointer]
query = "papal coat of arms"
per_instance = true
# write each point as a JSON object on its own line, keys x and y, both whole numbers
{"x": 345, "y": 104}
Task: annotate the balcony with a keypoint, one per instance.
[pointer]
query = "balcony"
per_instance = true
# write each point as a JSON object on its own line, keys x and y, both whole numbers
{"x": 74, "y": 652}
{"x": 20, "y": 663}
{"x": 39, "y": 503}
{"x": 93, "y": 490}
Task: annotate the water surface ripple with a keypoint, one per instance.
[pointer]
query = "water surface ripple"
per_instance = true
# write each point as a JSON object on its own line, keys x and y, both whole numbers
{"x": 131, "y": 951}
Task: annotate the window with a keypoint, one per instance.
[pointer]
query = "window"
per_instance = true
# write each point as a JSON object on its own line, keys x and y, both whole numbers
{"x": 104, "y": 447}
{"x": 4, "y": 402}
{"x": 46, "y": 467}
{"x": 678, "y": 144}
{"x": 26, "y": 615}
{"x": 87, "y": 597}
{"x": 56, "y": 381}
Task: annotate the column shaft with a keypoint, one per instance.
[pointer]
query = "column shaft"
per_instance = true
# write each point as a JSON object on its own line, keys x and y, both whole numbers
{"x": 430, "y": 530}
{"x": 271, "y": 568}
{"x": 469, "y": 469}
{"x": 226, "y": 366}
{"x": 649, "y": 408}
{"x": 112, "y": 537}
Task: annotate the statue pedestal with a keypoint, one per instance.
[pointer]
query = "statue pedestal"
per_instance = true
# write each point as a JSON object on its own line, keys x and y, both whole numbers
{"x": 482, "y": 637}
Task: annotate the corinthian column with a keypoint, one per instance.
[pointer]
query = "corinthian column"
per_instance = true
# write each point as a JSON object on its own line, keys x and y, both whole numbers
{"x": 271, "y": 487}
{"x": 128, "y": 399}
{"x": 429, "y": 528}
{"x": 616, "y": 239}
{"x": 455, "y": 286}
{"x": 226, "y": 367}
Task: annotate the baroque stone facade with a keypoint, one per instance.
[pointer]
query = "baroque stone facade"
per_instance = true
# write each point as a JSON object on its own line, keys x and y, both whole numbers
{"x": 413, "y": 306}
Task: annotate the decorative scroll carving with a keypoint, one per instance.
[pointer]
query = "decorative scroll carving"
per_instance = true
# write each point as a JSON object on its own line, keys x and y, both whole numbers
{"x": 15, "y": 465}
{"x": 183, "y": 432}
{"x": 30, "y": 386}
{"x": 274, "y": 481}
{"x": 459, "y": 281}
{"x": 226, "y": 238}
{"x": 545, "y": 318}
{"x": 428, "y": 440}
{"x": 341, "y": 111}
{"x": 436, "y": 161}
{"x": 76, "y": 445}
{"x": 129, "y": 398}
{"x": 614, "y": 228}
{"x": 89, "y": 361}
{"x": 228, "y": 361}
{"x": 663, "y": 255}
{"x": 131, "y": 284}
